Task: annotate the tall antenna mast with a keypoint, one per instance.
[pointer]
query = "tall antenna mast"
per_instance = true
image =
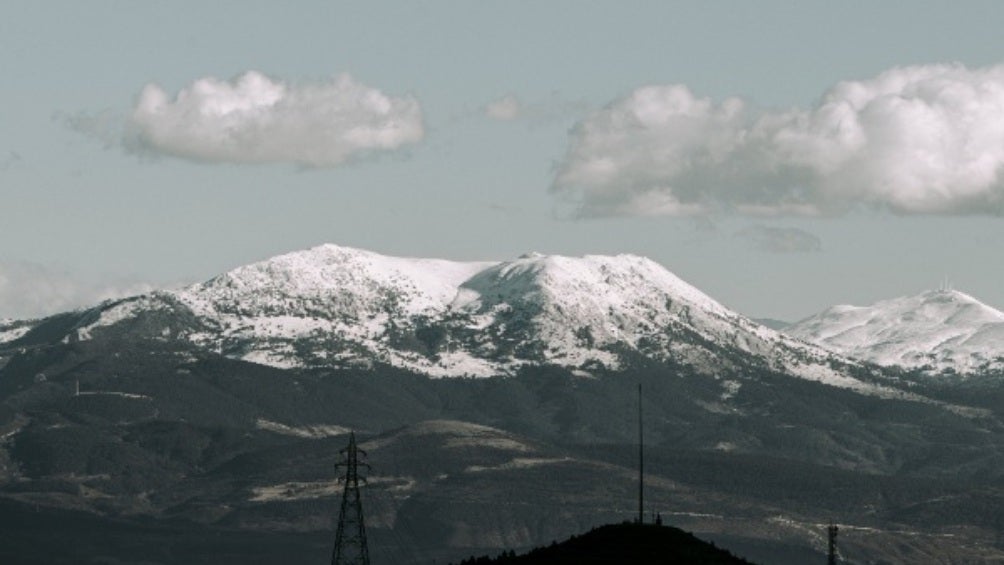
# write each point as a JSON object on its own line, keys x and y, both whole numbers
{"x": 641, "y": 463}
{"x": 350, "y": 537}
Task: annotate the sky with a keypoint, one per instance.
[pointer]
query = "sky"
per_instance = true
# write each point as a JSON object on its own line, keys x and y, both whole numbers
{"x": 782, "y": 157}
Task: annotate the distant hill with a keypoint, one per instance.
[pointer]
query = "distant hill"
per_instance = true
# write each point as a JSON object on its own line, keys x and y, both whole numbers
{"x": 620, "y": 544}
{"x": 938, "y": 331}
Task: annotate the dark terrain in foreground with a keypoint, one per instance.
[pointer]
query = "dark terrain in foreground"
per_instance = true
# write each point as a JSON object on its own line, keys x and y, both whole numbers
{"x": 169, "y": 454}
{"x": 617, "y": 544}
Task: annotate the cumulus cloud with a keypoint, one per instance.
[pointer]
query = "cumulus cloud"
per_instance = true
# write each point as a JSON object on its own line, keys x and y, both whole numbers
{"x": 254, "y": 119}
{"x": 29, "y": 290}
{"x": 913, "y": 140}
{"x": 780, "y": 240}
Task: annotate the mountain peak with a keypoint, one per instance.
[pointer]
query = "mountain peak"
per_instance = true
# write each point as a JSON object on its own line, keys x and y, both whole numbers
{"x": 934, "y": 330}
{"x": 946, "y": 295}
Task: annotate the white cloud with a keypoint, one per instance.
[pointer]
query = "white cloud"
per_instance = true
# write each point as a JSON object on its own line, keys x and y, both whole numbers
{"x": 780, "y": 240}
{"x": 254, "y": 119}
{"x": 29, "y": 290}
{"x": 913, "y": 140}
{"x": 505, "y": 109}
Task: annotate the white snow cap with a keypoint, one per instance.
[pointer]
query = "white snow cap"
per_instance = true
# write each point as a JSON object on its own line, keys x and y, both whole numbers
{"x": 934, "y": 330}
{"x": 334, "y": 305}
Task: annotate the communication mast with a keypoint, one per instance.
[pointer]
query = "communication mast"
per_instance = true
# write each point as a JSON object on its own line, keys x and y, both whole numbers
{"x": 350, "y": 536}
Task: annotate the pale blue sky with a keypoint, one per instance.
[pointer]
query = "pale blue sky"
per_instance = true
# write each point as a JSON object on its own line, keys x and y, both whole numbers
{"x": 82, "y": 214}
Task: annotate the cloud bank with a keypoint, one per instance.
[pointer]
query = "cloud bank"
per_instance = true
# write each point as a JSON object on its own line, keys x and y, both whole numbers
{"x": 254, "y": 119}
{"x": 29, "y": 290}
{"x": 912, "y": 140}
{"x": 780, "y": 240}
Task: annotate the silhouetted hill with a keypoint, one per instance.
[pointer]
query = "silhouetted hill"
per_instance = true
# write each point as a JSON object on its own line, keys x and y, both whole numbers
{"x": 621, "y": 544}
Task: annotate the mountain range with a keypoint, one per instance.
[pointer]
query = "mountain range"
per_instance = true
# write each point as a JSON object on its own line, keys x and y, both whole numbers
{"x": 498, "y": 404}
{"x": 333, "y": 306}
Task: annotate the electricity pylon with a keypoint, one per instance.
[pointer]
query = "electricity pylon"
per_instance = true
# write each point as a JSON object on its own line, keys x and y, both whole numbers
{"x": 350, "y": 536}
{"x": 831, "y": 534}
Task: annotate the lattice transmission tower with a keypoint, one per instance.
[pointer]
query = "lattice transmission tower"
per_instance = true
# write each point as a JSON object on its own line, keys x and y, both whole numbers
{"x": 350, "y": 536}
{"x": 831, "y": 538}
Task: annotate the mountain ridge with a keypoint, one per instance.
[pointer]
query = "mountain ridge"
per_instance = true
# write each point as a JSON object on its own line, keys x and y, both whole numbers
{"x": 332, "y": 306}
{"x": 937, "y": 331}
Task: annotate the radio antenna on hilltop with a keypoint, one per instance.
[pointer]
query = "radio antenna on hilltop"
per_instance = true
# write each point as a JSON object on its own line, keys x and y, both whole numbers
{"x": 946, "y": 284}
{"x": 641, "y": 463}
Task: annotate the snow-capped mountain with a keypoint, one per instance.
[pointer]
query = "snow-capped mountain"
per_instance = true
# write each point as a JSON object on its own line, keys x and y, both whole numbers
{"x": 333, "y": 306}
{"x": 154, "y": 393}
{"x": 934, "y": 331}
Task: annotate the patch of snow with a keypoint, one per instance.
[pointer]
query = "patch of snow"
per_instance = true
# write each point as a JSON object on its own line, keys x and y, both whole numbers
{"x": 518, "y": 463}
{"x": 308, "y": 490}
{"x": 314, "y": 431}
{"x": 131, "y": 395}
{"x": 449, "y": 364}
{"x": 117, "y": 312}
{"x": 729, "y": 389}
{"x": 296, "y": 491}
{"x": 284, "y": 359}
{"x": 8, "y": 333}
{"x": 458, "y": 435}
{"x": 500, "y": 443}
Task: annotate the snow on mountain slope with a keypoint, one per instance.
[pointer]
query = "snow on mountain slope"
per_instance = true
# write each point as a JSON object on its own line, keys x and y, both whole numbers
{"x": 334, "y": 307}
{"x": 13, "y": 329}
{"x": 329, "y": 279}
{"x": 583, "y": 312}
{"x": 325, "y": 306}
{"x": 934, "y": 331}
